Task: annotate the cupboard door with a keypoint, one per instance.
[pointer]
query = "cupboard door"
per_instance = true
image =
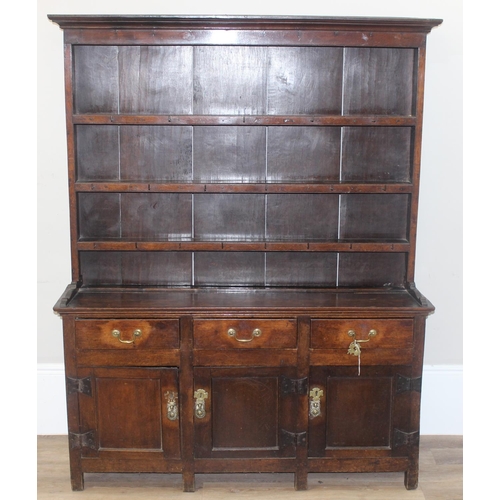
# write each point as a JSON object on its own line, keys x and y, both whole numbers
{"x": 243, "y": 413}
{"x": 130, "y": 411}
{"x": 357, "y": 415}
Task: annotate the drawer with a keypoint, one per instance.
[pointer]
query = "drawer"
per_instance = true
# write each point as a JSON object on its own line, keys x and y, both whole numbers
{"x": 245, "y": 333}
{"x": 334, "y": 334}
{"x": 127, "y": 334}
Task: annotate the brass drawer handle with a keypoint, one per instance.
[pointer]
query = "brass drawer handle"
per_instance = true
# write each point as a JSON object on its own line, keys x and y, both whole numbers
{"x": 117, "y": 334}
{"x": 232, "y": 333}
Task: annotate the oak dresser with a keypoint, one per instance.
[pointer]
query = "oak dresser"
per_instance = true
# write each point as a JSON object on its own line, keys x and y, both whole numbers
{"x": 243, "y": 196}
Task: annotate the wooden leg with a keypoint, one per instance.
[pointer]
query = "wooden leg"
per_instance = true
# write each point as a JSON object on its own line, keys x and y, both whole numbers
{"x": 411, "y": 479}
{"x": 75, "y": 465}
{"x": 76, "y": 473}
{"x": 188, "y": 478}
{"x": 411, "y": 474}
{"x": 77, "y": 482}
{"x": 301, "y": 480}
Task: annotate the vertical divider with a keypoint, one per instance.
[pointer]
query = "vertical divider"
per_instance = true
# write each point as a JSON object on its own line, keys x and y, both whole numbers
{"x": 304, "y": 333}
{"x": 417, "y": 151}
{"x": 71, "y": 149}
{"x": 266, "y": 110}
{"x": 193, "y": 254}
{"x": 340, "y": 160}
{"x": 186, "y": 390}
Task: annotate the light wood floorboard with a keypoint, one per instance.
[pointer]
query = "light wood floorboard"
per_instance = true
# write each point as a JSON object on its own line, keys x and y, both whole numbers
{"x": 440, "y": 479}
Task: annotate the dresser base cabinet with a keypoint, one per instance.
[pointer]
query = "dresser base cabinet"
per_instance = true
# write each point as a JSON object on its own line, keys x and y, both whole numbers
{"x": 243, "y": 196}
{"x": 273, "y": 390}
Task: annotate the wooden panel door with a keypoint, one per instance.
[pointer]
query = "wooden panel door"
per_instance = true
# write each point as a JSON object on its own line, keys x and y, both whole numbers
{"x": 130, "y": 412}
{"x": 358, "y": 415}
{"x": 245, "y": 414}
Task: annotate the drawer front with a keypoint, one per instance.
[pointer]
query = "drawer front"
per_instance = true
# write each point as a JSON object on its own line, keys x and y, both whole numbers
{"x": 127, "y": 334}
{"x": 245, "y": 333}
{"x": 338, "y": 334}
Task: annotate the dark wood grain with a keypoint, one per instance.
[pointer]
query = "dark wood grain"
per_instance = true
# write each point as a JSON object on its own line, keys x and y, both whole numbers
{"x": 156, "y": 216}
{"x": 375, "y": 154}
{"x": 118, "y": 301}
{"x": 372, "y": 270}
{"x": 186, "y": 391}
{"x": 301, "y": 269}
{"x": 97, "y": 153}
{"x": 276, "y": 334}
{"x": 222, "y": 269}
{"x": 379, "y": 81}
{"x": 229, "y": 216}
{"x": 155, "y": 334}
{"x": 367, "y": 216}
{"x": 308, "y": 154}
{"x": 234, "y": 426}
{"x": 384, "y": 24}
{"x": 304, "y": 80}
{"x": 155, "y": 79}
{"x": 134, "y": 268}
{"x": 155, "y": 153}
{"x": 358, "y": 412}
{"x": 119, "y": 426}
{"x": 229, "y": 154}
{"x": 391, "y": 333}
{"x": 302, "y": 217}
{"x": 368, "y": 119}
{"x": 229, "y": 80}
{"x": 96, "y": 79}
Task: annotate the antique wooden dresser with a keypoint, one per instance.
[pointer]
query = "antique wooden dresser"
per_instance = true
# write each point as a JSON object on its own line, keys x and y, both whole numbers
{"x": 243, "y": 196}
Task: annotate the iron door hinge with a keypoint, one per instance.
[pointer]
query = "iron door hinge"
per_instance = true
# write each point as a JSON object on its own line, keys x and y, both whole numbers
{"x": 401, "y": 438}
{"x": 86, "y": 440}
{"x": 293, "y": 386}
{"x": 404, "y": 384}
{"x": 81, "y": 385}
{"x": 295, "y": 439}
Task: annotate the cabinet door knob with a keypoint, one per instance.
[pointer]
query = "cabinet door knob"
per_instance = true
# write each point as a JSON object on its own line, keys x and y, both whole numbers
{"x": 199, "y": 406}
{"x": 117, "y": 334}
{"x": 256, "y": 333}
{"x": 172, "y": 407}
{"x": 315, "y": 396}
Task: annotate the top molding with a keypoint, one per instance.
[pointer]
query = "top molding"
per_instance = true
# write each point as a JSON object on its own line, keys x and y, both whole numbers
{"x": 245, "y": 23}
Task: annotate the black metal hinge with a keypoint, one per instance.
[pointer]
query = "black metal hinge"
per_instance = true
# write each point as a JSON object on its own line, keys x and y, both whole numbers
{"x": 293, "y": 386}
{"x": 86, "y": 440}
{"x": 404, "y": 384}
{"x": 401, "y": 438}
{"x": 294, "y": 439}
{"x": 81, "y": 385}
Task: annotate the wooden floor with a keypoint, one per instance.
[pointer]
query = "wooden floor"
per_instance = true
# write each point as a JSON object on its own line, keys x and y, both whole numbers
{"x": 440, "y": 479}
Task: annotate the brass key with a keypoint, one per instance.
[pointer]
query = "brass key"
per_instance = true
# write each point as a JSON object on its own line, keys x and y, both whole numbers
{"x": 354, "y": 348}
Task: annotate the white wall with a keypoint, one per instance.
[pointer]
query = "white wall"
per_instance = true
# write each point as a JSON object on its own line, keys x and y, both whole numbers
{"x": 439, "y": 244}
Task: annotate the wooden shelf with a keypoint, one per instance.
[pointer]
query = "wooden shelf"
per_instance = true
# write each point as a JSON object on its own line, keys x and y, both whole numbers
{"x": 246, "y": 120}
{"x": 242, "y": 187}
{"x": 245, "y": 246}
{"x": 314, "y": 302}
